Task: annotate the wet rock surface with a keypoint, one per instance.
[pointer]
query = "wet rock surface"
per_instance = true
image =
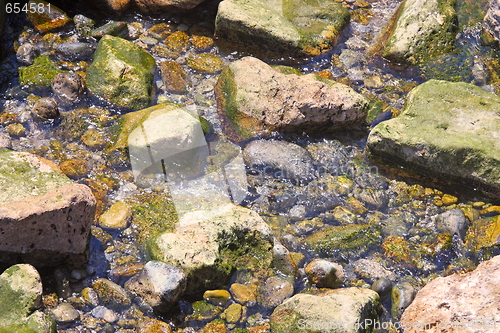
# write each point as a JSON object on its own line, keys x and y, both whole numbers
{"x": 440, "y": 139}
{"x": 47, "y": 219}
{"x": 456, "y": 302}
{"x": 257, "y": 98}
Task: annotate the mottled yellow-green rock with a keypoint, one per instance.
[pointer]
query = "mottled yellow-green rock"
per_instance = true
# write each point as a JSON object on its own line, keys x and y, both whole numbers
{"x": 483, "y": 233}
{"x": 243, "y": 293}
{"x": 217, "y": 297}
{"x": 40, "y": 74}
{"x": 206, "y": 63}
{"x": 151, "y": 325}
{"x": 397, "y": 248}
{"x": 174, "y": 77}
{"x": 94, "y": 139}
{"x": 233, "y": 313}
{"x": 46, "y": 16}
{"x": 175, "y": 44}
{"x": 74, "y": 168}
{"x": 494, "y": 210}
{"x": 448, "y": 199}
{"x": 111, "y": 294}
{"x": 201, "y": 43}
{"x": 204, "y": 311}
{"x": 16, "y": 130}
{"x": 117, "y": 216}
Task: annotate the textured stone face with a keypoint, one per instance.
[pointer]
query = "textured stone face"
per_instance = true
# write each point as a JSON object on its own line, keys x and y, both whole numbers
{"x": 287, "y": 27}
{"x": 255, "y": 97}
{"x": 122, "y": 73}
{"x": 333, "y": 311}
{"x": 44, "y": 218}
{"x": 461, "y": 303}
{"x": 421, "y": 30}
{"x": 446, "y": 130}
{"x": 21, "y": 295}
{"x": 492, "y": 20}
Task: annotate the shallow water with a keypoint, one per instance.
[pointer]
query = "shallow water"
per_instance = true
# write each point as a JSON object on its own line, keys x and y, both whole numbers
{"x": 294, "y": 210}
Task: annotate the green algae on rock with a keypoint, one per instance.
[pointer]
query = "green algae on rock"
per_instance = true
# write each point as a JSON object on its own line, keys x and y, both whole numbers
{"x": 206, "y": 63}
{"x": 174, "y": 77}
{"x": 446, "y": 130}
{"x": 288, "y": 27}
{"x": 208, "y": 245}
{"x": 21, "y": 293}
{"x": 422, "y": 30}
{"x": 41, "y": 73}
{"x": 122, "y": 73}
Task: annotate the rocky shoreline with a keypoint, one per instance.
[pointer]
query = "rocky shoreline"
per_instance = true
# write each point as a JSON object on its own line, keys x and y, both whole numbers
{"x": 156, "y": 183}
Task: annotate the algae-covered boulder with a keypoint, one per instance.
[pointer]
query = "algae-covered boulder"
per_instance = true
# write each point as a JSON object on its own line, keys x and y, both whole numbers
{"x": 40, "y": 74}
{"x": 255, "y": 97}
{"x": 20, "y": 297}
{"x": 421, "y": 29}
{"x": 209, "y": 244}
{"x": 45, "y": 218}
{"x": 344, "y": 310}
{"x": 122, "y": 73}
{"x": 447, "y": 131}
{"x": 287, "y": 27}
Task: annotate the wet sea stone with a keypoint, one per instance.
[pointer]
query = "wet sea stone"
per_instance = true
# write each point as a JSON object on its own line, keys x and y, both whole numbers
{"x": 46, "y": 108}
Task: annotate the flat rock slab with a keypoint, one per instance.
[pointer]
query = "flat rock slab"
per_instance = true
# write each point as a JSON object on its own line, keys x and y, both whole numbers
{"x": 255, "y": 97}
{"x": 461, "y": 303}
{"x": 45, "y": 218}
{"x": 344, "y": 310}
{"x": 286, "y": 27}
{"x": 421, "y": 29}
{"x": 446, "y": 131}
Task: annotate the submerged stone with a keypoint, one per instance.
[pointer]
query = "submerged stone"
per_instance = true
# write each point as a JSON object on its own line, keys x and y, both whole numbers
{"x": 422, "y": 29}
{"x": 446, "y": 131}
{"x": 326, "y": 312}
{"x": 46, "y": 17}
{"x": 122, "y": 73}
{"x": 287, "y": 27}
{"x": 41, "y": 73}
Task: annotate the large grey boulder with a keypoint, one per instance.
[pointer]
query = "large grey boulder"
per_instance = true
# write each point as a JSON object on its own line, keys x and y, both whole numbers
{"x": 422, "y": 29}
{"x": 45, "y": 218}
{"x": 446, "y": 130}
{"x": 286, "y": 27}
{"x": 209, "y": 244}
{"x": 460, "y": 303}
{"x": 20, "y": 297}
{"x": 345, "y": 310}
{"x": 492, "y": 20}
{"x": 122, "y": 73}
{"x": 255, "y": 97}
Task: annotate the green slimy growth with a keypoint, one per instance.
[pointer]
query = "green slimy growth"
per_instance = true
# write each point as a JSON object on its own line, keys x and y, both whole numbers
{"x": 40, "y": 74}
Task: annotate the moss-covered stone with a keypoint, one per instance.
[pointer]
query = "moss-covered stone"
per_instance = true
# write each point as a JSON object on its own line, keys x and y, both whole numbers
{"x": 175, "y": 44}
{"x": 289, "y": 27}
{"x": 483, "y": 233}
{"x": 446, "y": 131}
{"x": 113, "y": 28}
{"x": 20, "y": 294}
{"x": 40, "y": 74}
{"x": 354, "y": 237}
{"x": 122, "y": 73}
{"x": 206, "y": 63}
{"x": 423, "y": 29}
{"x": 203, "y": 311}
{"x": 111, "y": 294}
{"x": 174, "y": 77}
{"x": 152, "y": 214}
{"x": 397, "y": 248}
